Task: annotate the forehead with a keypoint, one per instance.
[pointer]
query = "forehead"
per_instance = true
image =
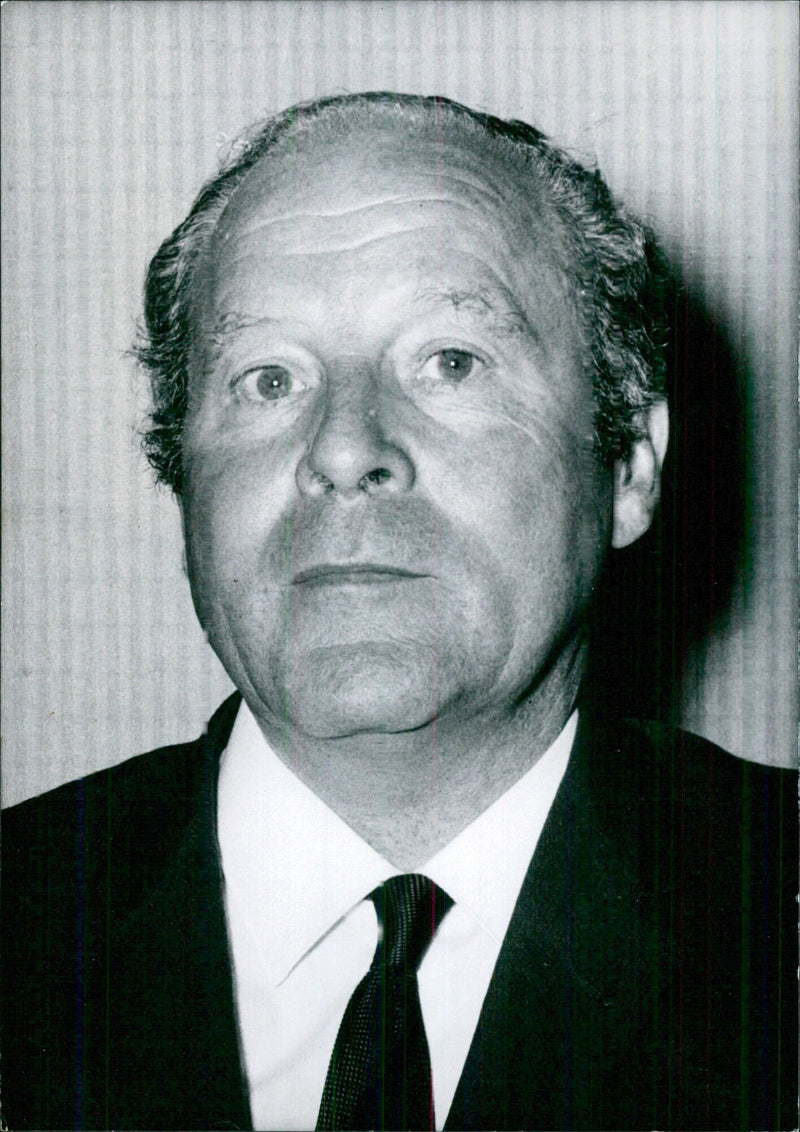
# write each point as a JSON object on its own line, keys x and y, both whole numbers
{"x": 382, "y": 208}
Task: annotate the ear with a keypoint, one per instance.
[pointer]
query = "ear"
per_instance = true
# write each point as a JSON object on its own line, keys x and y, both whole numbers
{"x": 637, "y": 480}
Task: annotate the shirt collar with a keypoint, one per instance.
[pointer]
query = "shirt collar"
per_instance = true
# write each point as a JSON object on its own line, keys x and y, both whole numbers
{"x": 293, "y": 868}
{"x": 483, "y": 867}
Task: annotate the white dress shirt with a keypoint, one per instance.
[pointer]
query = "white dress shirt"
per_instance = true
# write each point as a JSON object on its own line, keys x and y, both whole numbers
{"x": 302, "y": 932}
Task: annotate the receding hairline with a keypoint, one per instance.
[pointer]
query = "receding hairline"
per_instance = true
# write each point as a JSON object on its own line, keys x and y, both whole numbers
{"x": 508, "y": 162}
{"x": 490, "y": 168}
{"x": 610, "y": 265}
{"x": 403, "y": 125}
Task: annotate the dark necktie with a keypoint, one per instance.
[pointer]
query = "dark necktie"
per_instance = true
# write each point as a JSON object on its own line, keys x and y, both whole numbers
{"x": 380, "y": 1070}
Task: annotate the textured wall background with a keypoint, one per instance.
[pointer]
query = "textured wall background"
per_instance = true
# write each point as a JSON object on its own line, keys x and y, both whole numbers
{"x": 114, "y": 112}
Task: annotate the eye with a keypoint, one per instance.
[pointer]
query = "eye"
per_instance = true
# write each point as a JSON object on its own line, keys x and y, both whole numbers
{"x": 450, "y": 365}
{"x": 266, "y": 383}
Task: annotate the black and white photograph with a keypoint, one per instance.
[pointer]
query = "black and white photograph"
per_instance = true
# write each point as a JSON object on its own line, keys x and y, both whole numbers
{"x": 400, "y": 573}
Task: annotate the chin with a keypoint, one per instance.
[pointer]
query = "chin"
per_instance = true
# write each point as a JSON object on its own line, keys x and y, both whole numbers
{"x": 339, "y": 697}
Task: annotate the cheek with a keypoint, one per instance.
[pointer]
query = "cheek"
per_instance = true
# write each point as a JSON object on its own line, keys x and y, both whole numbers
{"x": 232, "y": 498}
{"x": 515, "y": 460}
{"x": 238, "y": 474}
{"x": 539, "y": 502}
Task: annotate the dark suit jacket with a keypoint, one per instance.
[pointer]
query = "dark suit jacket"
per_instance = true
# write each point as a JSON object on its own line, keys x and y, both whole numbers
{"x": 648, "y": 978}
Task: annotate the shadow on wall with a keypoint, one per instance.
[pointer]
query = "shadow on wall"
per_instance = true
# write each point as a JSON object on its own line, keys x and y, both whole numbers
{"x": 661, "y": 596}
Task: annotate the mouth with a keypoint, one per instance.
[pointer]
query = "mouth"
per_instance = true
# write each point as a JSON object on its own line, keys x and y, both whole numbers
{"x": 360, "y": 574}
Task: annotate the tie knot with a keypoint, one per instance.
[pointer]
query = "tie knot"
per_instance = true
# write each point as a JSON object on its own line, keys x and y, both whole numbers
{"x": 410, "y": 908}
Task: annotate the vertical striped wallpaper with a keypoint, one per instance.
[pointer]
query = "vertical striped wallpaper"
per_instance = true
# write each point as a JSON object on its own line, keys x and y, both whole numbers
{"x": 113, "y": 113}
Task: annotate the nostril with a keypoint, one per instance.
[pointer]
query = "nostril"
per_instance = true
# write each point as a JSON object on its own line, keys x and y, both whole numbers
{"x": 374, "y": 478}
{"x": 311, "y": 481}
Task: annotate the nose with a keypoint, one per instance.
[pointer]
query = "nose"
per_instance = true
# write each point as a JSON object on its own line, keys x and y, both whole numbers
{"x": 350, "y": 453}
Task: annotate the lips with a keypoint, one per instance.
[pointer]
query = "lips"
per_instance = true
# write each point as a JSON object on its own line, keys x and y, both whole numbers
{"x": 353, "y": 574}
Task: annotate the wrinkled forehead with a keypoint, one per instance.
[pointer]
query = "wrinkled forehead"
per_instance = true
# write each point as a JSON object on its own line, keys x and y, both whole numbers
{"x": 365, "y": 224}
{"x": 339, "y": 182}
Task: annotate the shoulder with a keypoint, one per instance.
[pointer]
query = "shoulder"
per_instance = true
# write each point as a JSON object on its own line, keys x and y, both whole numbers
{"x": 99, "y": 875}
{"x": 122, "y": 822}
{"x": 156, "y": 778}
{"x": 689, "y": 814}
{"x": 704, "y": 852}
{"x": 651, "y": 763}
{"x": 690, "y": 778}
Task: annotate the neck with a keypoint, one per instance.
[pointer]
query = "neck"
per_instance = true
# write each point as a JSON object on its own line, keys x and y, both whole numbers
{"x": 408, "y": 794}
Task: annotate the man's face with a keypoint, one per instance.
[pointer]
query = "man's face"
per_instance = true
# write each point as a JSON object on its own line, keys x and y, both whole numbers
{"x": 393, "y": 511}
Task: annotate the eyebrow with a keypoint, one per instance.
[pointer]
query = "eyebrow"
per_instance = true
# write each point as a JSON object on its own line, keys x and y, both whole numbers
{"x": 498, "y": 309}
{"x": 231, "y": 323}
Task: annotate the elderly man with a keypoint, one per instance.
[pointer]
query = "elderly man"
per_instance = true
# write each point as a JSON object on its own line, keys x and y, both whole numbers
{"x": 414, "y": 876}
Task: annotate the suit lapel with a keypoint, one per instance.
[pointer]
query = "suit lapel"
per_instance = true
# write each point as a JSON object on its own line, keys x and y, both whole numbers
{"x": 173, "y": 1038}
{"x": 555, "y": 1026}
{"x": 557, "y": 1017}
